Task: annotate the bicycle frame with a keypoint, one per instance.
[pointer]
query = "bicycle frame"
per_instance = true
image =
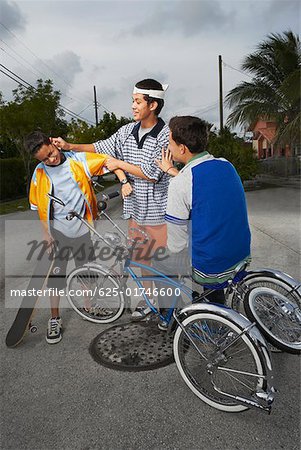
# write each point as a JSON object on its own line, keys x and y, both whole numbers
{"x": 158, "y": 276}
{"x": 129, "y": 264}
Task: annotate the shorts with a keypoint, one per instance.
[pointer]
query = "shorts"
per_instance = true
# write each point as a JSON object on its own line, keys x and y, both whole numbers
{"x": 157, "y": 238}
{"x": 80, "y": 249}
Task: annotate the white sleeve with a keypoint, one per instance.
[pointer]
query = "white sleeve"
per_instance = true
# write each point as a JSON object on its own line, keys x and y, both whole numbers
{"x": 178, "y": 212}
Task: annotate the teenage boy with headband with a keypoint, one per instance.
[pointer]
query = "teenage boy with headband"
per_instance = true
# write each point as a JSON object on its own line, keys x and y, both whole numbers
{"x": 134, "y": 149}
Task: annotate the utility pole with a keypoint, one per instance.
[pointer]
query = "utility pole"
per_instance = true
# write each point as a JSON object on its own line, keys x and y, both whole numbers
{"x": 95, "y": 106}
{"x": 221, "y": 114}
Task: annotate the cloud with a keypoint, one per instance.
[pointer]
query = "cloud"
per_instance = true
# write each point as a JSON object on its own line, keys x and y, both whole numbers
{"x": 288, "y": 8}
{"x": 65, "y": 66}
{"x": 188, "y": 17}
{"x": 12, "y": 18}
{"x": 276, "y": 16}
{"x": 62, "y": 70}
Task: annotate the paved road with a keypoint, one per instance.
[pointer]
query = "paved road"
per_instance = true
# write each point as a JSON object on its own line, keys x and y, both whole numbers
{"x": 59, "y": 397}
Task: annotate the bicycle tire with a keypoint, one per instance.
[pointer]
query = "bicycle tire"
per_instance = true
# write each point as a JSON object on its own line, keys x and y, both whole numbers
{"x": 277, "y": 314}
{"x": 103, "y": 299}
{"x": 194, "y": 369}
{"x": 253, "y": 280}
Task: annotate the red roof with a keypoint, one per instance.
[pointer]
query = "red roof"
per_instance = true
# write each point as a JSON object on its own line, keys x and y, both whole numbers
{"x": 267, "y": 133}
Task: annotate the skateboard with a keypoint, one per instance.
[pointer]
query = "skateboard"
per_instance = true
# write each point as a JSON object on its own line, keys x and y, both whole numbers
{"x": 22, "y": 320}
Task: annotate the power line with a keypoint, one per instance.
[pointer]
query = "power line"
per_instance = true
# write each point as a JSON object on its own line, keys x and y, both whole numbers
{"x": 106, "y": 109}
{"x": 210, "y": 108}
{"x": 33, "y": 54}
{"x": 35, "y": 71}
{"x": 237, "y": 70}
{"x": 12, "y": 78}
{"x": 14, "y": 74}
{"x": 15, "y": 59}
{"x": 73, "y": 115}
{"x": 46, "y": 65}
{"x": 201, "y": 110}
{"x": 85, "y": 108}
{"x": 67, "y": 110}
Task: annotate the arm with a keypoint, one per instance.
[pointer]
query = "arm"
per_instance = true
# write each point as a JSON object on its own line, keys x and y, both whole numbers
{"x": 110, "y": 146}
{"x": 68, "y": 146}
{"x": 178, "y": 213}
{"x": 95, "y": 164}
{"x": 113, "y": 164}
{"x": 33, "y": 201}
{"x": 147, "y": 170}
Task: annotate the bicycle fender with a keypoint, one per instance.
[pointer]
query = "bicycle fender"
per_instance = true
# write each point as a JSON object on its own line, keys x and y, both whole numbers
{"x": 235, "y": 317}
{"x": 277, "y": 274}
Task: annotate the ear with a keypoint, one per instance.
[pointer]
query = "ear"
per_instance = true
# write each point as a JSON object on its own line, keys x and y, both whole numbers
{"x": 153, "y": 105}
{"x": 183, "y": 149}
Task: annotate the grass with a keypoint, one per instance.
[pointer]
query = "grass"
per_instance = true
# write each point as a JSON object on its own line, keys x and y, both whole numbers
{"x": 14, "y": 206}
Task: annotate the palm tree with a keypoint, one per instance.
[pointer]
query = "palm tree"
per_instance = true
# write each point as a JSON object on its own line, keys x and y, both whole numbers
{"x": 274, "y": 91}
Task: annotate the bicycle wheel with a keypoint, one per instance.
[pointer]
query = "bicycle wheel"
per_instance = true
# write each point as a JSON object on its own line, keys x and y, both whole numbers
{"x": 94, "y": 294}
{"x": 237, "y": 370}
{"x": 276, "y": 311}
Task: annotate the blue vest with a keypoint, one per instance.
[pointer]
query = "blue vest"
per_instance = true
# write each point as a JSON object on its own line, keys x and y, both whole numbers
{"x": 220, "y": 231}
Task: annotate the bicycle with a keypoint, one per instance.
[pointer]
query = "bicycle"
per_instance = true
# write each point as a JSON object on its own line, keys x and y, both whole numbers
{"x": 268, "y": 297}
{"x": 220, "y": 354}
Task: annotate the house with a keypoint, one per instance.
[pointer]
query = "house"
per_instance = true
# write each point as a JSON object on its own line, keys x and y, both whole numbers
{"x": 264, "y": 133}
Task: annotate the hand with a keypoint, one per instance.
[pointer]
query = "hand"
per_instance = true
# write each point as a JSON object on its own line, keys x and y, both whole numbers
{"x": 112, "y": 163}
{"x": 60, "y": 143}
{"x": 166, "y": 162}
{"x": 50, "y": 242}
{"x": 126, "y": 190}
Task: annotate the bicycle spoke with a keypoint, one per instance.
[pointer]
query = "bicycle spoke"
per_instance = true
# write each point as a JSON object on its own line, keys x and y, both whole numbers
{"x": 233, "y": 371}
{"x": 232, "y": 378}
{"x": 95, "y": 295}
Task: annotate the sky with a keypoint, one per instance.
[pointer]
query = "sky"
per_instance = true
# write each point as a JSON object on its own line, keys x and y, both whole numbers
{"x": 114, "y": 44}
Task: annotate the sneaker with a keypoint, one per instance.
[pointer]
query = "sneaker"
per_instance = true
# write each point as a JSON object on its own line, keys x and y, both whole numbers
{"x": 163, "y": 325}
{"x": 54, "y": 330}
{"x": 141, "y": 311}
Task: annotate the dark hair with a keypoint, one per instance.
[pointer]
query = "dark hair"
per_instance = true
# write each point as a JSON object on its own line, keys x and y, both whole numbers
{"x": 190, "y": 131}
{"x": 149, "y": 83}
{"x": 34, "y": 141}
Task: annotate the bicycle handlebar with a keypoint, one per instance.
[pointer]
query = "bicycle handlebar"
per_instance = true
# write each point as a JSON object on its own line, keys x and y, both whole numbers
{"x": 110, "y": 195}
{"x": 72, "y": 214}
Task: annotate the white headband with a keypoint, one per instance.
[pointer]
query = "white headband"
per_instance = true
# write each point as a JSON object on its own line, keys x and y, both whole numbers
{"x": 151, "y": 92}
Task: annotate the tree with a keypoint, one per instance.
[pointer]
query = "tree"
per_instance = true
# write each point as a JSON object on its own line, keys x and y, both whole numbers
{"x": 31, "y": 109}
{"x": 237, "y": 151}
{"x": 274, "y": 91}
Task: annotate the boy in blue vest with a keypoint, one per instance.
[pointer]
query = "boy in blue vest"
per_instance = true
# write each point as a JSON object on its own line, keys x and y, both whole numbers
{"x": 206, "y": 209}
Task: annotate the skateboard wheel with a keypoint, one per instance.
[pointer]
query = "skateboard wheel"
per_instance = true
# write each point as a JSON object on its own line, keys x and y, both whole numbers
{"x": 33, "y": 329}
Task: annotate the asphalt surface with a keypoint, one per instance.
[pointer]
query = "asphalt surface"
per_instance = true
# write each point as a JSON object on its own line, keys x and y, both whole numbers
{"x": 59, "y": 397}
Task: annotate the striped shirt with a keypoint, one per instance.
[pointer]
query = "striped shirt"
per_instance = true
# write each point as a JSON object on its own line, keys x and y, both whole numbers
{"x": 207, "y": 209}
{"x": 147, "y": 203}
